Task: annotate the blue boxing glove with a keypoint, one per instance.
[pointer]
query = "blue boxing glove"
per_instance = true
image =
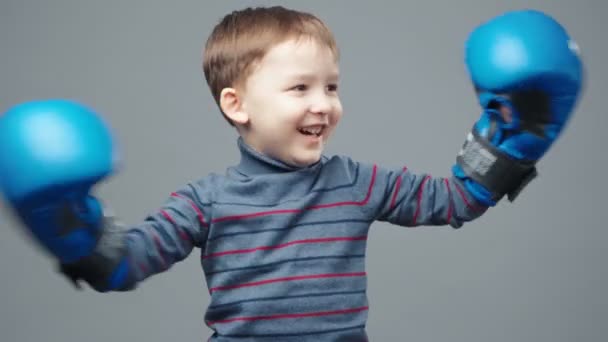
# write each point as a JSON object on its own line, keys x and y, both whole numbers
{"x": 528, "y": 76}
{"x": 52, "y": 153}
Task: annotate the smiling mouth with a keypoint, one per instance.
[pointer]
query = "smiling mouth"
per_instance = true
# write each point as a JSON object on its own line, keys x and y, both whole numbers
{"x": 312, "y": 130}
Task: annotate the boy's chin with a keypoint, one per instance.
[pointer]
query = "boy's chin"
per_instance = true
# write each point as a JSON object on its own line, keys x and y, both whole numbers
{"x": 305, "y": 161}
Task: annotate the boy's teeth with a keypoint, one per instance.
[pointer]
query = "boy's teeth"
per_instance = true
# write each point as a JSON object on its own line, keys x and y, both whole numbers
{"x": 315, "y": 131}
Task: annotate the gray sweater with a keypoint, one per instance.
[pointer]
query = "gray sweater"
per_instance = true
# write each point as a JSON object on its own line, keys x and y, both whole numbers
{"x": 283, "y": 248}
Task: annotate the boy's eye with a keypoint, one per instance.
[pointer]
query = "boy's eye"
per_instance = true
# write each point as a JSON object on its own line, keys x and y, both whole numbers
{"x": 332, "y": 87}
{"x": 300, "y": 87}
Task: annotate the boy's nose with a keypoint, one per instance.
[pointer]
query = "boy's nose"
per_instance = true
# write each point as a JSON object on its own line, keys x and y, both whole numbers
{"x": 321, "y": 104}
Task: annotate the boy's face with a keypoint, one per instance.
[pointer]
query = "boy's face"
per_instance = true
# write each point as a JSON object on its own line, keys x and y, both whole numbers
{"x": 292, "y": 102}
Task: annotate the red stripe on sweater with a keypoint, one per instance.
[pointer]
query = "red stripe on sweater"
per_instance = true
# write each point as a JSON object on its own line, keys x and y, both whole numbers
{"x": 283, "y": 245}
{"x": 464, "y": 198}
{"x": 168, "y": 217}
{"x": 285, "y": 279}
{"x": 419, "y": 201}
{"x": 397, "y": 187}
{"x": 199, "y": 213}
{"x": 159, "y": 248}
{"x": 450, "y": 207}
{"x": 181, "y": 233}
{"x": 288, "y": 316}
{"x": 289, "y": 211}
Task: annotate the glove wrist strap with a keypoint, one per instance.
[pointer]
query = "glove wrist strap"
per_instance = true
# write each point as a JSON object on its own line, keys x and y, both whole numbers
{"x": 498, "y": 172}
{"x": 97, "y": 268}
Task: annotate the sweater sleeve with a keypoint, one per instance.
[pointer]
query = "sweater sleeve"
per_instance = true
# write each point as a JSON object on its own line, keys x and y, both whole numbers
{"x": 168, "y": 235}
{"x": 406, "y": 198}
{"x": 126, "y": 255}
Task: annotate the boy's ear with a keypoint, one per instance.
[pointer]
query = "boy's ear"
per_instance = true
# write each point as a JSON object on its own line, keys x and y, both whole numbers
{"x": 231, "y": 105}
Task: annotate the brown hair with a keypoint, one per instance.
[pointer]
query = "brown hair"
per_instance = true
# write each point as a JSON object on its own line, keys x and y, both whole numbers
{"x": 243, "y": 37}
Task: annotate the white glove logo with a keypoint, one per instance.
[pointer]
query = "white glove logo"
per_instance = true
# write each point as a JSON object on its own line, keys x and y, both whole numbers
{"x": 574, "y": 47}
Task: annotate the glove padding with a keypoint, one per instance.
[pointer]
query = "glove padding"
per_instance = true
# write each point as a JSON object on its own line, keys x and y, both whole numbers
{"x": 528, "y": 75}
{"x": 52, "y": 153}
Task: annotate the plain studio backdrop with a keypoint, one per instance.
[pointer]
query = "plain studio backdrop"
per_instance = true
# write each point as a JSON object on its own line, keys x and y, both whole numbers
{"x": 532, "y": 270}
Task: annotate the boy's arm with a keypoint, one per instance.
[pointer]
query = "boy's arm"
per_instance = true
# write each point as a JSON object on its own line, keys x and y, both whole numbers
{"x": 527, "y": 92}
{"x": 409, "y": 199}
{"x": 123, "y": 257}
{"x": 52, "y": 154}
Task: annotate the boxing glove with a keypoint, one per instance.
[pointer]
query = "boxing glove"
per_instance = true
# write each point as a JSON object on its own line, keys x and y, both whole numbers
{"x": 528, "y": 75}
{"x": 52, "y": 153}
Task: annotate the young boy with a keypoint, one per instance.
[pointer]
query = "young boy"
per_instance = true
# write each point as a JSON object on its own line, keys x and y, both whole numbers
{"x": 283, "y": 233}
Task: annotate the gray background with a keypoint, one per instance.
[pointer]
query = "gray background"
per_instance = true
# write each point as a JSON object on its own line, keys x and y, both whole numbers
{"x": 533, "y": 270}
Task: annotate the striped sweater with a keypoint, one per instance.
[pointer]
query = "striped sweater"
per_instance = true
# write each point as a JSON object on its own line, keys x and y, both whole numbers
{"x": 283, "y": 248}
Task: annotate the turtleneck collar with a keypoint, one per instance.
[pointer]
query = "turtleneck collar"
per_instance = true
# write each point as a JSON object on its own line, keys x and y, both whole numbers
{"x": 253, "y": 162}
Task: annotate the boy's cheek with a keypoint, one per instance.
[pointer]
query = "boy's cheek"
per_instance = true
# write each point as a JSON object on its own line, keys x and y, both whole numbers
{"x": 336, "y": 117}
